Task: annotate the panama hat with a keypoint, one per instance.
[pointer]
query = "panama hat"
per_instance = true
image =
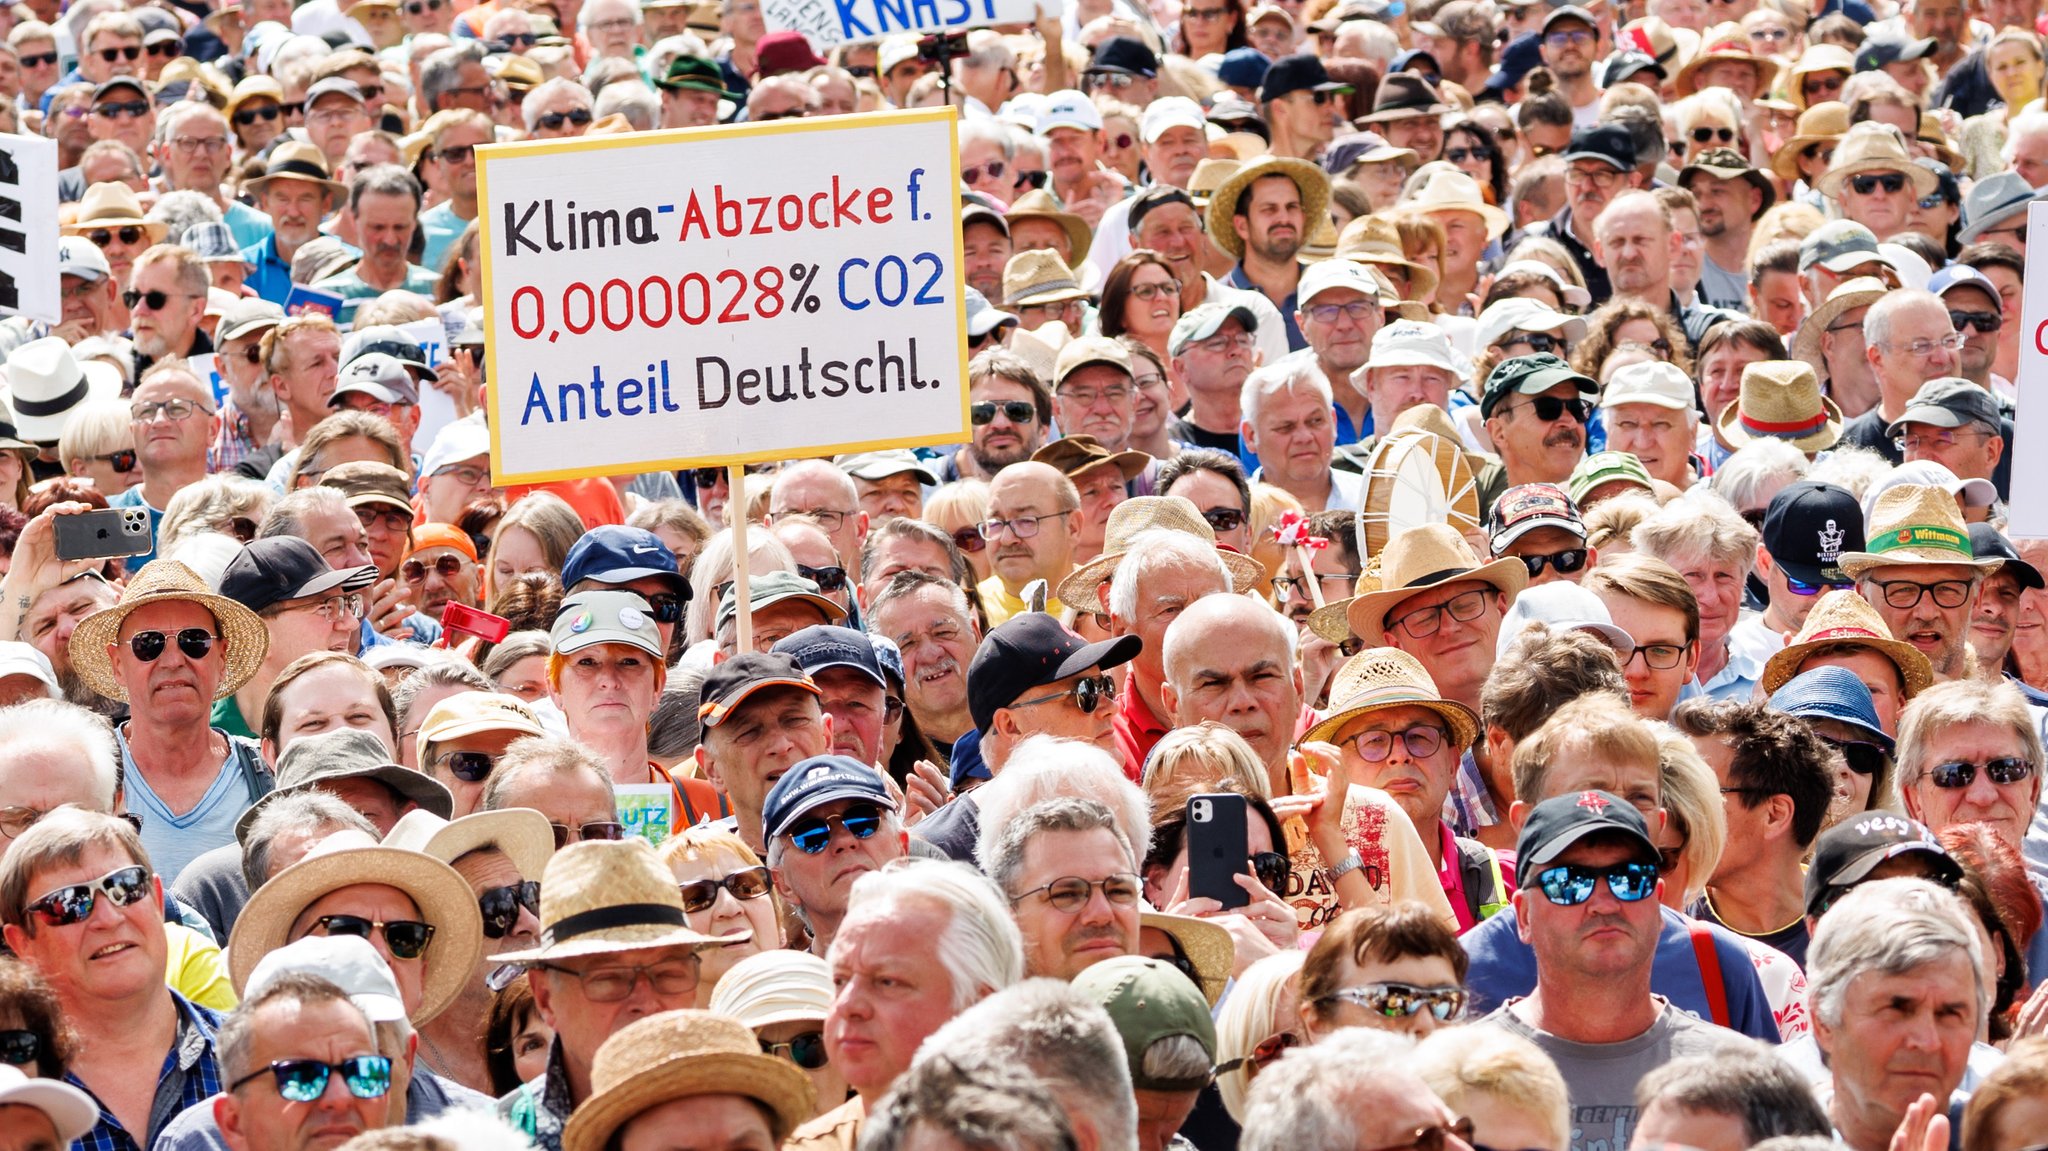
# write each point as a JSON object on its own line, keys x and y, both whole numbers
{"x": 605, "y": 896}
{"x": 1816, "y": 58}
{"x": 1823, "y": 123}
{"x": 678, "y": 1054}
{"x": 1038, "y": 204}
{"x": 1382, "y": 677}
{"x": 1038, "y": 277}
{"x": 1781, "y": 400}
{"x": 1308, "y": 180}
{"x": 1848, "y": 296}
{"x": 1915, "y": 524}
{"x": 1842, "y": 618}
{"x": 1141, "y": 514}
{"x": 443, "y": 897}
{"x": 163, "y": 580}
{"x": 771, "y": 987}
{"x": 293, "y": 160}
{"x": 1873, "y": 147}
{"x": 1724, "y": 42}
{"x": 522, "y": 833}
{"x": 114, "y": 206}
{"x": 1419, "y": 559}
{"x": 1209, "y": 948}
{"x": 1452, "y": 190}
{"x": 1375, "y": 240}
{"x": 46, "y": 382}
{"x": 1210, "y": 174}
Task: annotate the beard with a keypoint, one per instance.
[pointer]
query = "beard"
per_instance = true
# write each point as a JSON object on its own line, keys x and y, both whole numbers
{"x": 76, "y": 691}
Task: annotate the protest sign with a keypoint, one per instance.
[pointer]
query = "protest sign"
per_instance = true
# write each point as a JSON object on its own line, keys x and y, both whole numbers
{"x": 436, "y": 410}
{"x": 302, "y": 299}
{"x": 826, "y": 22}
{"x": 645, "y": 809}
{"x": 723, "y": 295}
{"x": 2029, "y": 518}
{"x": 30, "y": 283}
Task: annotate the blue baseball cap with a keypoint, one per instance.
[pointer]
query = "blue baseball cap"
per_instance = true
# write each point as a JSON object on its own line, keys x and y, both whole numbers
{"x": 1831, "y": 693}
{"x": 817, "y": 781}
{"x": 1243, "y": 68}
{"x": 822, "y": 646}
{"x": 615, "y": 554}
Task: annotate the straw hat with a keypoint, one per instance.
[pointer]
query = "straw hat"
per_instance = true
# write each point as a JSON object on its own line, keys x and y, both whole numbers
{"x": 114, "y": 206}
{"x": 1873, "y": 147}
{"x": 1672, "y": 48}
{"x": 1816, "y": 58}
{"x": 1422, "y": 558}
{"x": 247, "y": 640}
{"x": 1933, "y": 135}
{"x": 678, "y": 1054}
{"x": 605, "y": 896}
{"x": 1209, "y": 948}
{"x": 1843, "y": 618}
{"x": 1823, "y": 123}
{"x": 1781, "y": 399}
{"x": 1848, "y": 296}
{"x": 1375, "y": 240}
{"x": 1382, "y": 677}
{"x": 1308, "y": 179}
{"x": 293, "y": 160}
{"x": 1915, "y": 524}
{"x": 772, "y": 987}
{"x": 1038, "y": 277}
{"x": 443, "y": 897}
{"x": 1038, "y": 204}
{"x": 1724, "y": 42}
{"x": 523, "y": 834}
{"x": 1453, "y": 190}
{"x": 252, "y": 88}
{"x": 1142, "y": 514}
{"x": 1210, "y": 174}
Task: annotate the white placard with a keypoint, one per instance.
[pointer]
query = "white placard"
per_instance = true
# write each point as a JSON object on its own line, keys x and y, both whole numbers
{"x": 436, "y": 409}
{"x": 826, "y": 22}
{"x": 2029, "y": 517}
{"x": 30, "y": 283}
{"x": 723, "y": 295}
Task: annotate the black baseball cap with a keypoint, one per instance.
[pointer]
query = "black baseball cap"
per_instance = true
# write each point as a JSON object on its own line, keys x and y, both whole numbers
{"x": 1529, "y": 376}
{"x": 1155, "y": 197}
{"x": 729, "y": 683}
{"x": 1563, "y": 820}
{"x": 1125, "y": 56}
{"x": 1029, "y": 651}
{"x": 1569, "y": 12}
{"x": 1808, "y": 526}
{"x": 1610, "y": 143}
{"x": 820, "y": 646}
{"x": 1301, "y": 72}
{"x": 1848, "y": 852}
{"x": 1950, "y": 402}
{"x": 278, "y": 568}
{"x": 1988, "y": 543}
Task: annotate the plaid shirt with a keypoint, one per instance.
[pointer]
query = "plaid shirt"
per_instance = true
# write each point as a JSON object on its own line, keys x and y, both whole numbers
{"x": 190, "y": 1075}
{"x": 1469, "y": 806}
{"x": 234, "y": 443}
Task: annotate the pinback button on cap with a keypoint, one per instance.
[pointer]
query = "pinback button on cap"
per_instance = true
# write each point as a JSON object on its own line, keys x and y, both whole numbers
{"x": 594, "y": 617}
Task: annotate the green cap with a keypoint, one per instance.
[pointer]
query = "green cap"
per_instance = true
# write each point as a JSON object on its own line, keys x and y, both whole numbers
{"x": 1149, "y": 1000}
{"x": 594, "y": 617}
{"x": 1605, "y": 468}
{"x": 697, "y": 74}
{"x": 1530, "y": 376}
{"x": 774, "y": 588}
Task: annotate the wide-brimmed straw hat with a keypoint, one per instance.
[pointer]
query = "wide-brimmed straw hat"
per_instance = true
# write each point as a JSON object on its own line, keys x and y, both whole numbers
{"x": 1848, "y": 296}
{"x": 114, "y": 205}
{"x": 293, "y": 160}
{"x": 1842, "y": 618}
{"x": 1452, "y": 190}
{"x": 605, "y": 896}
{"x": 1421, "y": 558}
{"x": 1038, "y": 204}
{"x": 1141, "y": 514}
{"x": 1816, "y": 58}
{"x": 675, "y": 1055}
{"x": 1383, "y": 677}
{"x": 161, "y": 581}
{"x": 1724, "y": 42}
{"x": 1375, "y": 240}
{"x": 442, "y": 896}
{"x": 523, "y": 834}
{"x": 1308, "y": 179}
{"x": 1781, "y": 400}
{"x": 1915, "y": 524}
{"x": 1209, "y": 948}
{"x": 1873, "y": 147}
{"x": 1823, "y": 123}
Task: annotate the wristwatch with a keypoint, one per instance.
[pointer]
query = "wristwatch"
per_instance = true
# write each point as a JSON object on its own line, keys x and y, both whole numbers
{"x": 1350, "y": 863}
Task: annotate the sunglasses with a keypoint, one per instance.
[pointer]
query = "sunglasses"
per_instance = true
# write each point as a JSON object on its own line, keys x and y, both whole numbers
{"x": 1035, "y": 179}
{"x": 1401, "y": 1000}
{"x": 39, "y": 60}
{"x": 1087, "y": 693}
{"x": 554, "y": 120}
{"x": 746, "y": 883}
{"x": 520, "y": 40}
{"x": 1797, "y": 587}
{"x": 1825, "y": 153}
{"x": 1072, "y": 893}
{"x": 128, "y": 234}
{"x": 68, "y": 905}
{"x": 993, "y": 169}
{"x": 248, "y": 116}
{"x": 116, "y": 109}
{"x": 1864, "y": 758}
{"x": 1015, "y": 411}
{"x": 1537, "y": 341}
{"x": 1223, "y": 519}
{"x": 193, "y": 643}
{"x": 1705, "y": 135}
{"x": 155, "y": 299}
{"x": 305, "y": 1080}
{"x": 1869, "y": 182}
{"x": 1265, "y": 1051}
{"x": 407, "y": 938}
{"x": 417, "y": 7}
{"x": 121, "y": 461}
{"x": 1549, "y": 408}
{"x": 1564, "y": 562}
{"x": 469, "y": 766}
{"x": 500, "y": 906}
{"x": 603, "y": 829}
{"x": 968, "y": 539}
{"x": 813, "y": 836}
{"x": 456, "y": 153}
{"x": 168, "y": 49}
{"x": 447, "y": 567}
{"x": 1962, "y": 773}
{"x": 711, "y": 477}
{"x": 20, "y": 1047}
{"x": 806, "y": 1049}
{"x": 828, "y": 579}
{"x": 132, "y": 52}
{"x": 1985, "y": 322}
{"x": 1273, "y": 869}
{"x": 1570, "y": 884}
{"x": 668, "y": 606}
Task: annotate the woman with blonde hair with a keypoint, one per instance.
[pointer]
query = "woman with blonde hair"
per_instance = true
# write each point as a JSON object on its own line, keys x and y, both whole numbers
{"x": 1258, "y": 1022}
{"x": 714, "y": 570}
{"x": 534, "y": 535}
{"x": 726, "y": 891}
{"x": 99, "y": 445}
{"x": 1506, "y": 1085}
{"x": 958, "y": 509}
{"x": 1202, "y": 757}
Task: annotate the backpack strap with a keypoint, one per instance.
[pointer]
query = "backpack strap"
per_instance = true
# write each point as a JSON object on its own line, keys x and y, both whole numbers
{"x": 1710, "y": 970}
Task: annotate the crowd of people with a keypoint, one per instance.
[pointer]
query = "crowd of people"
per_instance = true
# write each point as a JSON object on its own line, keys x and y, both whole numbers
{"x": 1476, "y": 610}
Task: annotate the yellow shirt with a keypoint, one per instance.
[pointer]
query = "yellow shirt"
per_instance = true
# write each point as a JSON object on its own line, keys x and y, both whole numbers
{"x": 195, "y": 969}
{"x": 1001, "y": 606}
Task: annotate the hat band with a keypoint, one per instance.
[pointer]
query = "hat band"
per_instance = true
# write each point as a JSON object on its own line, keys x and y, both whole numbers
{"x": 606, "y": 918}
{"x": 1437, "y": 577}
{"x": 7, "y": 430}
{"x": 1783, "y": 429}
{"x": 1845, "y": 633}
{"x": 1044, "y": 286}
{"x": 1922, "y": 536}
{"x": 56, "y": 405}
{"x": 302, "y": 168}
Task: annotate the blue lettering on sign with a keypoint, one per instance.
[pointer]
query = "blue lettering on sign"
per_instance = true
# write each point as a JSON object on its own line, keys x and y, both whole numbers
{"x": 872, "y": 19}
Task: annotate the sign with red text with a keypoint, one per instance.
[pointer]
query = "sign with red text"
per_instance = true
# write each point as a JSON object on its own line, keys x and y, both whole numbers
{"x": 2029, "y": 517}
{"x": 723, "y": 295}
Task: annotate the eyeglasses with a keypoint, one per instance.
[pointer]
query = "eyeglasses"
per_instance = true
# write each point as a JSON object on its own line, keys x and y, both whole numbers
{"x": 1436, "y": 1137}
{"x": 968, "y": 539}
{"x": 1088, "y": 398}
{"x": 117, "y": 109}
{"x": 193, "y": 643}
{"x": 1072, "y": 893}
{"x": 248, "y": 116}
{"x": 447, "y": 566}
{"x": 1602, "y": 177}
{"x": 828, "y": 579}
{"x": 172, "y": 410}
{"x": 1948, "y": 593}
{"x": 305, "y": 1080}
{"x": 1568, "y": 38}
{"x": 128, "y": 234}
{"x": 1961, "y": 773}
{"x": 813, "y": 836}
{"x": 1401, "y": 1000}
{"x": 553, "y": 120}
{"x": 333, "y": 608}
{"x": 1223, "y": 519}
{"x": 1920, "y": 443}
{"x": 1464, "y": 607}
{"x": 1863, "y": 757}
{"x": 500, "y": 905}
{"x": 746, "y": 883}
{"x": 1336, "y": 586}
{"x": 131, "y": 53}
{"x": 1358, "y": 310}
{"x": 1984, "y": 322}
{"x": 1923, "y": 348}
{"x": 1706, "y": 135}
{"x": 1570, "y": 884}
{"x": 674, "y": 977}
{"x": 1225, "y": 342}
{"x": 456, "y": 154}
{"x": 1023, "y": 527}
{"x": 1015, "y": 411}
{"x": 806, "y": 1049}
{"x": 407, "y": 938}
{"x": 993, "y": 169}
{"x": 829, "y": 520}
{"x": 1088, "y": 693}
{"x": 1564, "y": 562}
{"x": 2018, "y": 232}
{"x": 195, "y": 145}
{"x": 1537, "y": 341}
{"x": 1657, "y": 656}
{"x": 68, "y": 905}
{"x": 1205, "y": 15}
{"x": 39, "y": 60}
{"x": 468, "y": 766}
{"x": 1550, "y": 408}
{"x": 1769, "y": 35}
{"x": 1422, "y": 741}
{"x": 603, "y": 829}
{"x": 1868, "y": 182}
{"x": 19, "y": 1046}
{"x": 156, "y": 302}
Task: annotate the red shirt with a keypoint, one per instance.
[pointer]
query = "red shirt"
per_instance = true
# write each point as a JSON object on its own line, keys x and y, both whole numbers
{"x": 1137, "y": 731}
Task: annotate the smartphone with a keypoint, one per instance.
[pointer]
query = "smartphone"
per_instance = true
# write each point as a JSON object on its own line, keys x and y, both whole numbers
{"x": 1217, "y": 852}
{"x": 472, "y": 621}
{"x": 104, "y": 533}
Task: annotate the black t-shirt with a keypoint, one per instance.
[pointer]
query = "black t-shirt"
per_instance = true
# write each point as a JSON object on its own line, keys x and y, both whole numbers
{"x": 1791, "y": 939}
{"x": 1188, "y": 433}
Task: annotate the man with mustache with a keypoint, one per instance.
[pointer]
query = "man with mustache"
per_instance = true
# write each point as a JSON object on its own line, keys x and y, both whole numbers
{"x": 1034, "y": 515}
{"x": 1166, "y": 220}
{"x": 1535, "y": 409}
{"x": 1010, "y": 409}
{"x": 385, "y": 201}
{"x": 296, "y": 193}
{"x": 1265, "y": 208}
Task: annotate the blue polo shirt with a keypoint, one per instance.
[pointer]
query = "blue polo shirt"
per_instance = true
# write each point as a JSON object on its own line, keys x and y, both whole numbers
{"x": 270, "y": 274}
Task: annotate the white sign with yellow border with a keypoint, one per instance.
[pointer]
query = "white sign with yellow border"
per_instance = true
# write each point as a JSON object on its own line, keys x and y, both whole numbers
{"x": 723, "y": 295}
{"x": 825, "y": 22}
{"x": 2029, "y": 517}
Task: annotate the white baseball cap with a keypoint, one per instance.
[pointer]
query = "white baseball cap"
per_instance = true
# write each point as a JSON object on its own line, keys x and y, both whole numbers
{"x": 347, "y": 961}
{"x": 78, "y": 256}
{"x": 1411, "y": 343}
{"x": 72, "y": 1112}
{"x": 1068, "y": 108}
{"x": 1563, "y": 606}
{"x": 1656, "y": 382}
{"x": 1324, "y": 275}
{"x": 1521, "y": 314}
{"x": 1171, "y": 112}
{"x": 17, "y": 658}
